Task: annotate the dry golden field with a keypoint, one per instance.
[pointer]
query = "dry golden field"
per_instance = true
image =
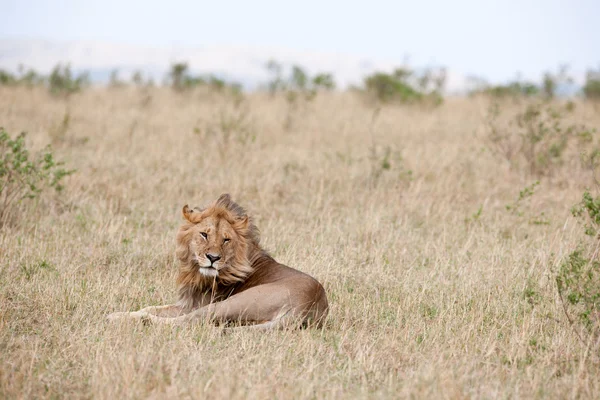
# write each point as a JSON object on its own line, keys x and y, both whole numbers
{"x": 436, "y": 290}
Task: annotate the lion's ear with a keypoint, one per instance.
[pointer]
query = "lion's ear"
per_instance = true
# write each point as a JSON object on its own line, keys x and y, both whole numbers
{"x": 187, "y": 213}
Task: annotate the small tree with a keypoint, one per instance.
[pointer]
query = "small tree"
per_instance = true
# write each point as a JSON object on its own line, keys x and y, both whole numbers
{"x": 323, "y": 81}
{"x": 31, "y": 78}
{"x": 513, "y": 89}
{"x": 24, "y": 175}
{"x": 178, "y": 74}
{"x": 63, "y": 82}
{"x": 476, "y": 85}
{"x": 552, "y": 81}
{"x": 299, "y": 79}
{"x": 433, "y": 80}
{"x": 137, "y": 79}
{"x": 6, "y": 78}
{"x": 276, "y": 83}
{"x": 181, "y": 79}
{"x": 216, "y": 83}
{"x": 298, "y": 83}
{"x": 299, "y": 88}
{"x": 114, "y": 80}
{"x": 591, "y": 89}
{"x": 548, "y": 85}
{"x": 404, "y": 85}
{"x": 537, "y": 139}
{"x": 387, "y": 88}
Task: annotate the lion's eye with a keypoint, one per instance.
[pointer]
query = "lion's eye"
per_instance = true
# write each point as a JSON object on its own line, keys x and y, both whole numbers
{"x": 204, "y": 235}
{"x": 226, "y": 240}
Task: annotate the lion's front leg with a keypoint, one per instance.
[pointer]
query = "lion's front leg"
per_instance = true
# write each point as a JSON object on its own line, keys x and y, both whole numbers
{"x": 171, "y": 311}
{"x": 116, "y": 316}
{"x": 258, "y": 305}
{"x": 166, "y": 311}
{"x": 194, "y": 316}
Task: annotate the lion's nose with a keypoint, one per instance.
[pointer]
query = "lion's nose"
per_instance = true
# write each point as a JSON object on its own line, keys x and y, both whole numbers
{"x": 212, "y": 258}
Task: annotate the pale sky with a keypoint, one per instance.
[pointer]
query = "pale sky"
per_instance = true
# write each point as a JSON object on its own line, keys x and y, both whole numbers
{"x": 494, "y": 39}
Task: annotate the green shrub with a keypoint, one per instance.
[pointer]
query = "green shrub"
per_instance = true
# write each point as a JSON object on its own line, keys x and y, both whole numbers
{"x": 552, "y": 81}
{"x": 114, "y": 81}
{"x": 517, "y": 88}
{"x": 24, "y": 77}
{"x": 588, "y": 210}
{"x": 405, "y": 86}
{"x": 537, "y": 139}
{"x": 513, "y": 89}
{"x": 180, "y": 79}
{"x": 522, "y": 207}
{"x": 31, "y": 78}
{"x": 299, "y": 79}
{"x": 578, "y": 278}
{"x": 24, "y": 175}
{"x": 387, "y": 88}
{"x": 299, "y": 84}
{"x": 177, "y": 75}
{"x": 63, "y": 82}
{"x": 6, "y": 78}
{"x": 299, "y": 88}
{"x": 591, "y": 89}
{"x": 323, "y": 81}
{"x": 276, "y": 83}
{"x": 137, "y": 78}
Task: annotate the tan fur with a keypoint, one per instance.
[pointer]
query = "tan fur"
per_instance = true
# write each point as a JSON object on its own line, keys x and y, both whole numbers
{"x": 244, "y": 285}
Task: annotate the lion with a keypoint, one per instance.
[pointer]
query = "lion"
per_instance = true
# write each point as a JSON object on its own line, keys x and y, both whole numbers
{"x": 226, "y": 277}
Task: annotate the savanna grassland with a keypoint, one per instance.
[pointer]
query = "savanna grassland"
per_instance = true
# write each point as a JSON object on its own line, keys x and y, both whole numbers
{"x": 437, "y": 289}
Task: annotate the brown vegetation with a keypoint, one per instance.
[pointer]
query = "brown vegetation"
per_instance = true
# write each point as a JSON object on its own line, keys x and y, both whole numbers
{"x": 436, "y": 289}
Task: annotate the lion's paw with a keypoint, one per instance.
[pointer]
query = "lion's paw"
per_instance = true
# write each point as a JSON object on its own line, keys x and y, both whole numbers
{"x": 136, "y": 315}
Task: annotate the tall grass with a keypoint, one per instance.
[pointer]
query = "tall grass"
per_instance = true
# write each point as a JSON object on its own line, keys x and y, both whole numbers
{"x": 436, "y": 289}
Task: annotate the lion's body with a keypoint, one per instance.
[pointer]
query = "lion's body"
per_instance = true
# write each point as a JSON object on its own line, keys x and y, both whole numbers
{"x": 248, "y": 287}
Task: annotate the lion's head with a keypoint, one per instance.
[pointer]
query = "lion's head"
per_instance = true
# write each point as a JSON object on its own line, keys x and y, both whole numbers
{"x": 213, "y": 243}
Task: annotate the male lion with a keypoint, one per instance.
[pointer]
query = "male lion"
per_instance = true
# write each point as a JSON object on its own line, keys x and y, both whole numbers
{"x": 226, "y": 277}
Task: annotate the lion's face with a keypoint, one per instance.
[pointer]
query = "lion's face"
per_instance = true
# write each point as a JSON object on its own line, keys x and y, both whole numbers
{"x": 214, "y": 242}
{"x": 213, "y": 245}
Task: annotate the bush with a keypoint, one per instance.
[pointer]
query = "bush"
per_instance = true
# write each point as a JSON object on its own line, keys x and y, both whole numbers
{"x": 114, "y": 81}
{"x": 31, "y": 78}
{"x": 276, "y": 83}
{"x": 513, "y": 89}
{"x": 180, "y": 79}
{"x": 299, "y": 87}
{"x": 299, "y": 84}
{"x": 387, "y": 88}
{"x": 177, "y": 75}
{"x": 137, "y": 78}
{"x": 25, "y": 176}
{"x": 578, "y": 278}
{"x": 25, "y": 77}
{"x": 323, "y": 81}
{"x": 591, "y": 89}
{"x": 63, "y": 82}
{"x": 537, "y": 139}
{"x": 6, "y": 78}
{"x": 552, "y": 81}
{"x": 404, "y": 86}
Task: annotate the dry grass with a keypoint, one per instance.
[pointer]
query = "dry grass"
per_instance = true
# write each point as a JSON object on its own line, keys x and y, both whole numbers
{"x": 427, "y": 298}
